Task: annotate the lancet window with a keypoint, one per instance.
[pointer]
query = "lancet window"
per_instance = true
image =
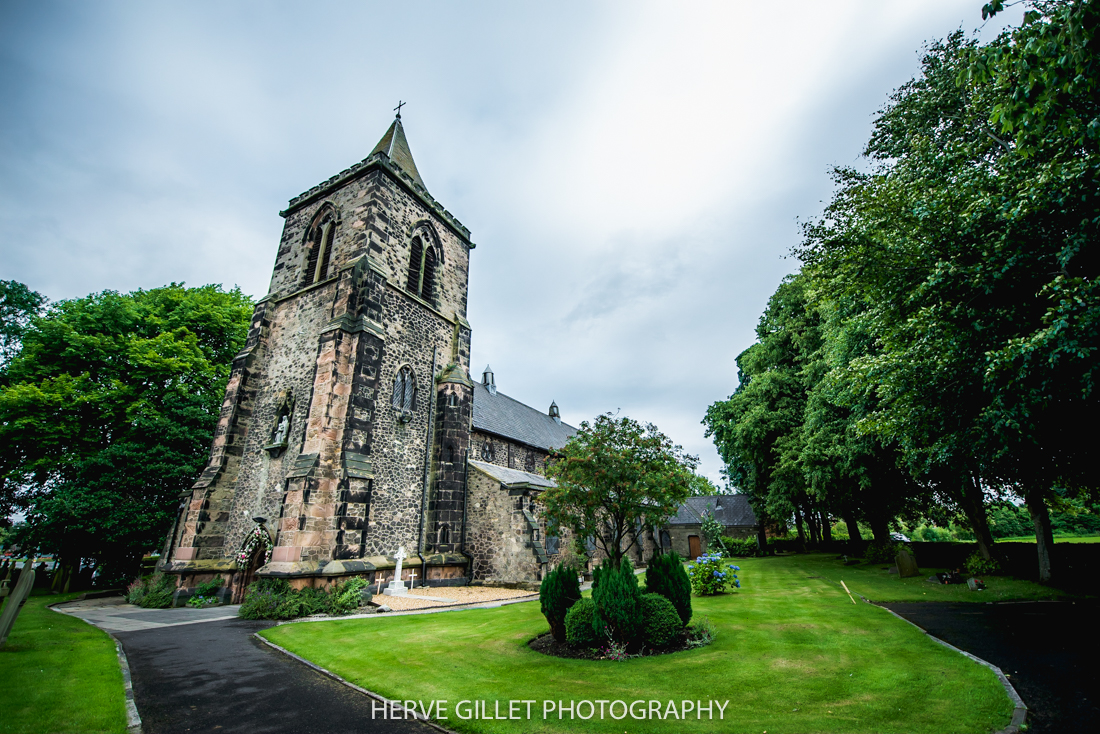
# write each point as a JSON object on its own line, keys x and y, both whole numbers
{"x": 319, "y": 241}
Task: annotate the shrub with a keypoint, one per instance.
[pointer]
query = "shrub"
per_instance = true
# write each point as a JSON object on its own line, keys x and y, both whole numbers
{"x": 702, "y": 633}
{"x": 735, "y": 547}
{"x": 709, "y": 576}
{"x": 559, "y": 591}
{"x": 208, "y": 588}
{"x": 346, "y": 597}
{"x": 153, "y": 592}
{"x": 263, "y": 598}
{"x": 580, "y": 630}
{"x": 616, "y": 601}
{"x": 975, "y": 565}
{"x": 276, "y": 599}
{"x": 666, "y": 576}
{"x": 660, "y": 621}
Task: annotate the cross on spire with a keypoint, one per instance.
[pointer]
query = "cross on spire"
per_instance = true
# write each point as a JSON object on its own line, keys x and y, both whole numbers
{"x": 400, "y": 104}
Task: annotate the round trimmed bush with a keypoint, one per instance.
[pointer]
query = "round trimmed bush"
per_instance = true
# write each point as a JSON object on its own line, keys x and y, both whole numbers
{"x": 579, "y": 628}
{"x": 660, "y": 620}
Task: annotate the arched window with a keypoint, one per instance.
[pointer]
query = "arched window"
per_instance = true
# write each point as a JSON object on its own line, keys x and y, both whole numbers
{"x": 319, "y": 240}
{"x": 444, "y": 533}
{"x": 487, "y": 450}
{"x": 422, "y": 266}
{"x": 404, "y": 394}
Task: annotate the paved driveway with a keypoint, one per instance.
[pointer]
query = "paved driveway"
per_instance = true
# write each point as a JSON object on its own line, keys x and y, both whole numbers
{"x": 1043, "y": 647}
{"x": 201, "y": 670}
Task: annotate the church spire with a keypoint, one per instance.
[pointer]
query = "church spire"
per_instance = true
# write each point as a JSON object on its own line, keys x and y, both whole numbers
{"x": 394, "y": 145}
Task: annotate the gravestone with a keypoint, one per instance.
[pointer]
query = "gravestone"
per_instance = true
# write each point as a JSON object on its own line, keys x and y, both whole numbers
{"x": 907, "y": 565}
{"x": 397, "y": 586}
{"x": 15, "y": 601}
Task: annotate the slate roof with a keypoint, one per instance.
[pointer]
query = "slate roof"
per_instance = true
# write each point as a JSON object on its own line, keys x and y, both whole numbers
{"x": 735, "y": 510}
{"x": 503, "y": 416}
{"x": 396, "y": 148}
{"x": 512, "y": 477}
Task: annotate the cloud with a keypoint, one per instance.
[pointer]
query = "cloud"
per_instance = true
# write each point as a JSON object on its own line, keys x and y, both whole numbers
{"x": 632, "y": 171}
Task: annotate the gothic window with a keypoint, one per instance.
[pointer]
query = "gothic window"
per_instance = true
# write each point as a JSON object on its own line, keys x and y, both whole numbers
{"x": 404, "y": 394}
{"x": 529, "y": 461}
{"x": 487, "y": 450}
{"x": 452, "y": 400}
{"x": 450, "y": 453}
{"x": 319, "y": 240}
{"x": 422, "y": 266}
{"x": 666, "y": 540}
{"x": 444, "y": 533}
{"x": 511, "y": 457}
{"x": 553, "y": 545}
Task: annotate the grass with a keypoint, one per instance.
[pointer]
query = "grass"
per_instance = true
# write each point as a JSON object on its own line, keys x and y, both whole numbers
{"x": 793, "y": 654}
{"x": 1057, "y": 539}
{"x": 60, "y": 674}
{"x": 875, "y": 583}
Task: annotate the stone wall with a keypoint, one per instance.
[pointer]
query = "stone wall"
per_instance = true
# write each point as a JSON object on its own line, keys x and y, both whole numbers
{"x": 498, "y": 536}
{"x": 501, "y": 451}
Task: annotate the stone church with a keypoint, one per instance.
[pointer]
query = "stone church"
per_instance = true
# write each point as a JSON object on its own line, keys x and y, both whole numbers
{"x": 351, "y": 426}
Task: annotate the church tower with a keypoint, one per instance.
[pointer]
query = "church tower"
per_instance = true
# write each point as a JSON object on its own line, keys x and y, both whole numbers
{"x": 345, "y": 428}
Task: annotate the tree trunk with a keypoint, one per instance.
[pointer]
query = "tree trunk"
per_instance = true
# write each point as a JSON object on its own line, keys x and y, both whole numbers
{"x": 880, "y": 528}
{"x": 973, "y": 506}
{"x": 762, "y": 534}
{"x": 811, "y": 521}
{"x": 801, "y": 533}
{"x": 853, "y": 528}
{"x": 1044, "y": 533}
{"x": 826, "y": 527}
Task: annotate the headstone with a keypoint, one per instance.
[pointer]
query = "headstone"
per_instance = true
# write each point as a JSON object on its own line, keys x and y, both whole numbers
{"x": 15, "y": 602}
{"x": 975, "y": 584}
{"x": 397, "y": 586}
{"x": 907, "y": 565}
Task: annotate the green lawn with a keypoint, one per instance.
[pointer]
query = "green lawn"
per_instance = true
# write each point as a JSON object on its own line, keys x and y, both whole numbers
{"x": 59, "y": 674}
{"x": 876, "y": 584}
{"x": 793, "y": 655}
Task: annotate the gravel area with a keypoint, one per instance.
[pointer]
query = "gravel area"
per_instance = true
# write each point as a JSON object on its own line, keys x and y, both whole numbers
{"x": 454, "y": 595}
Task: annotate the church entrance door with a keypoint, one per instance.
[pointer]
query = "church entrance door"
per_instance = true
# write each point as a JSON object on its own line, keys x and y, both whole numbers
{"x": 248, "y": 574}
{"x": 694, "y": 550}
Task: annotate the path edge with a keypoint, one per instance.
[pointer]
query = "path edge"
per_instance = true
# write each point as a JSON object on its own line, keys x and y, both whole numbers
{"x": 1019, "y": 712}
{"x": 394, "y": 705}
{"x": 133, "y": 718}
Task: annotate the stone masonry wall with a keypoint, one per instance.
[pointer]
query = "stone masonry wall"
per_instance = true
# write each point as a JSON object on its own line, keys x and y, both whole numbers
{"x": 498, "y": 537}
{"x": 494, "y": 449}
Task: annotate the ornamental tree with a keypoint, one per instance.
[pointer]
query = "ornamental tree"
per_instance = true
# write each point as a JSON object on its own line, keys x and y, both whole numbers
{"x": 616, "y": 477}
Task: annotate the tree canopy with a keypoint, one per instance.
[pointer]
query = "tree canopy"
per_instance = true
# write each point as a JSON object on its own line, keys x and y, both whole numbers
{"x": 951, "y": 288}
{"x": 107, "y": 413}
{"x": 616, "y": 477}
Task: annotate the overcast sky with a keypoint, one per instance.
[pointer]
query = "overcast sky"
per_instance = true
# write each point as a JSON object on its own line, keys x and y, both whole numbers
{"x": 633, "y": 172}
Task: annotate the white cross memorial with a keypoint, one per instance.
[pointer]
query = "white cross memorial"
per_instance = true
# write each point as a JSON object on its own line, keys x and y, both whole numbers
{"x": 397, "y": 586}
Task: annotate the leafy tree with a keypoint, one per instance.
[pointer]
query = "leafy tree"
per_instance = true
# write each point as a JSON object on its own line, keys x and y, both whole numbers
{"x": 701, "y": 486}
{"x": 107, "y": 414}
{"x": 615, "y": 477}
{"x": 18, "y": 306}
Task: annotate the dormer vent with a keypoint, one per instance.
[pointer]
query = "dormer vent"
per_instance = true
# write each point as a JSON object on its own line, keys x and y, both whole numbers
{"x": 554, "y": 413}
{"x": 488, "y": 380}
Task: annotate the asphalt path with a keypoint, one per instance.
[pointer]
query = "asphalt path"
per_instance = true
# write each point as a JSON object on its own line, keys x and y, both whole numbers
{"x": 1043, "y": 647}
{"x": 216, "y": 677}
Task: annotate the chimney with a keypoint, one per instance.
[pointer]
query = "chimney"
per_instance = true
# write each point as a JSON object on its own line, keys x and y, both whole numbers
{"x": 488, "y": 381}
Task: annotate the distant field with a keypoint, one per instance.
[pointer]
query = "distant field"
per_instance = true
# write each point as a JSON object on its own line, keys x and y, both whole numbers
{"x": 1057, "y": 539}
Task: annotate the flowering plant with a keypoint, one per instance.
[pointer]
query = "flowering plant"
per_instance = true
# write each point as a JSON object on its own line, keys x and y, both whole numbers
{"x": 709, "y": 576}
{"x": 257, "y": 538}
